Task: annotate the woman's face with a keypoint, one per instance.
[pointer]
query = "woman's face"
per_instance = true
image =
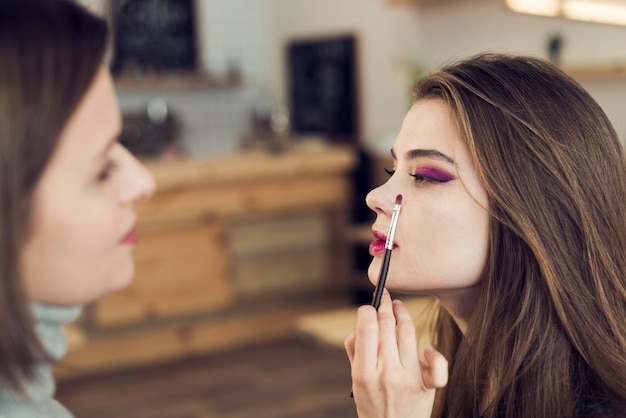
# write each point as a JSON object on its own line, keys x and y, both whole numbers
{"x": 82, "y": 228}
{"x": 441, "y": 240}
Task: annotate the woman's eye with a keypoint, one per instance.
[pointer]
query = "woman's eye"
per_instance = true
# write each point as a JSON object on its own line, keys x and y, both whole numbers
{"x": 106, "y": 172}
{"x": 390, "y": 172}
{"x": 431, "y": 175}
{"x": 423, "y": 179}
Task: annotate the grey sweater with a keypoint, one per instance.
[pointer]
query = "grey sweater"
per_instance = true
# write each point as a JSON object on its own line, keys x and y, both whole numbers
{"x": 39, "y": 402}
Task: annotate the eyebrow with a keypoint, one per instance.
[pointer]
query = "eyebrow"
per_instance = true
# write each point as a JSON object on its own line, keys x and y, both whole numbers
{"x": 420, "y": 153}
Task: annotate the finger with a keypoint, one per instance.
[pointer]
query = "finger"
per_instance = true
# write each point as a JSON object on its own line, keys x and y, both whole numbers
{"x": 435, "y": 371}
{"x": 407, "y": 343}
{"x": 349, "y": 345}
{"x": 388, "y": 345}
{"x": 366, "y": 339}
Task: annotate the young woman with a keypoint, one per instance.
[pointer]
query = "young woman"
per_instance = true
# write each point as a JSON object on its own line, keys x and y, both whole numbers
{"x": 514, "y": 218}
{"x": 68, "y": 190}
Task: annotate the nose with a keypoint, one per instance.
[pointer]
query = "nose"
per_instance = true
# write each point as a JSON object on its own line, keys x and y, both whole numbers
{"x": 139, "y": 182}
{"x": 381, "y": 199}
{"x": 146, "y": 184}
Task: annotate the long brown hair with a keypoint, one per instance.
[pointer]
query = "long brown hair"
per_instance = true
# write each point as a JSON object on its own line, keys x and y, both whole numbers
{"x": 50, "y": 52}
{"x": 548, "y": 336}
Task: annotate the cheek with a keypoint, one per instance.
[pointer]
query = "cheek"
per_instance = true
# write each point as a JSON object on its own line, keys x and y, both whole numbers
{"x": 470, "y": 247}
{"x": 446, "y": 247}
{"x": 71, "y": 259}
{"x": 84, "y": 231}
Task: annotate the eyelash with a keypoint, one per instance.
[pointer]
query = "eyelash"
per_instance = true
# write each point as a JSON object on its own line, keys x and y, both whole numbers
{"x": 419, "y": 178}
{"x": 108, "y": 169}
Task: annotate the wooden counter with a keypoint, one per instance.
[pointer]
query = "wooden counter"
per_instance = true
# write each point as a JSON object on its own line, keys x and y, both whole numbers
{"x": 249, "y": 183}
{"x": 230, "y": 250}
{"x": 305, "y": 160}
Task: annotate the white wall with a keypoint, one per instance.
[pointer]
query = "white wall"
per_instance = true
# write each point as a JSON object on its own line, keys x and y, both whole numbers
{"x": 254, "y": 33}
{"x": 460, "y": 28}
{"x": 426, "y": 36}
{"x": 457, "y": 28}
{"x": 387, "y": 38}
{"x": 235, "y": 32}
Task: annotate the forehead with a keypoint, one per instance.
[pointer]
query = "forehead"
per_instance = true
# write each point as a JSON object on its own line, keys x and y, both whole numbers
{"x": 430, "y": 125}
{"x": 94, "y": 123}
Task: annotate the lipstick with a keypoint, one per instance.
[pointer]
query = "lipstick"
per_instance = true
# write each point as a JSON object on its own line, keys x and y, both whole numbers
{"x": 130, "y": 238}
{"x": 377, "y": 247}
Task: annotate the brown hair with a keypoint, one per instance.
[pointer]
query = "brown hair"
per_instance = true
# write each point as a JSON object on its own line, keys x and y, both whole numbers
{"x": 548, "y": 336}
{"x": 50, "y": 52}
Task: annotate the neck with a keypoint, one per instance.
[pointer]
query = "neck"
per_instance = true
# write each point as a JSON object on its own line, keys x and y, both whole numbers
{"x": 460, "y": 303}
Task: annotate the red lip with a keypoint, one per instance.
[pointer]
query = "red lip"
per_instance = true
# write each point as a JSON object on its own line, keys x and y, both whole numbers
{"x": 378, "y": 247}
{"x": 130, "y": 238}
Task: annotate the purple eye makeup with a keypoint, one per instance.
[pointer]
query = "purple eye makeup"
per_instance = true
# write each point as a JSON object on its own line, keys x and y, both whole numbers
{"x": 431, "y": 174}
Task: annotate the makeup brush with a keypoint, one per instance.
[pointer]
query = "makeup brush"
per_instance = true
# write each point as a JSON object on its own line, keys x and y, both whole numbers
{"x": 382, "y": 278}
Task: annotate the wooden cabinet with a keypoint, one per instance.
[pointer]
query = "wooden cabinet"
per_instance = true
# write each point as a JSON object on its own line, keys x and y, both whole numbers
{"x": 230, "y": 250}
{"x": 279, "y": 253}
{"x": 182, "y": 269}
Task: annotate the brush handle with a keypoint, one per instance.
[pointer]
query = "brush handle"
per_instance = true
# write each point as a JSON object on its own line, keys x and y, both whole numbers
{"x": 382, "y": 278}
{"x": 378, "y": 292}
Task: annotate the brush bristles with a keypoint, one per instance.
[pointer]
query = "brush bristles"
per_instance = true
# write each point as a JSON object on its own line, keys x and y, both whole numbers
{"x": 398, "y": 199}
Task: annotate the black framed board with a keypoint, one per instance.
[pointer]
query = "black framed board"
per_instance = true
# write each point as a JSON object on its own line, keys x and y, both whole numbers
{"x": 154, "y": 36}
{"x": 322, "y": 82}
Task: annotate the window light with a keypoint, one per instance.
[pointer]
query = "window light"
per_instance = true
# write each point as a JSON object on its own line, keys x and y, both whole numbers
{"x": 600, "y": 11}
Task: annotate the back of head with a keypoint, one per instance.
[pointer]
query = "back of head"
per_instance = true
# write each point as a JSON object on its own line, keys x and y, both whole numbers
{"x": 51, "y": 50}
{"x": 554, "y": 288}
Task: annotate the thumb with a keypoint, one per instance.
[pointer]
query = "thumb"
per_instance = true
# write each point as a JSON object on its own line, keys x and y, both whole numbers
{"x": 435, "y": 370}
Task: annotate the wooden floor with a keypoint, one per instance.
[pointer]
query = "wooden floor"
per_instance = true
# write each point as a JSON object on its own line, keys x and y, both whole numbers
{"x": 297, "y": 377}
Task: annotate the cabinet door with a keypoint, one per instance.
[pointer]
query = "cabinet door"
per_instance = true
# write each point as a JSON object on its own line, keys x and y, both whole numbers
{"x": 280, "y": 253}
{"x": 181, "y": 269}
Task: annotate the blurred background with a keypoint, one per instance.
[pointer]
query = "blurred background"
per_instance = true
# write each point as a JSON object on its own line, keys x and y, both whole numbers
{"x": 265, "y": 123}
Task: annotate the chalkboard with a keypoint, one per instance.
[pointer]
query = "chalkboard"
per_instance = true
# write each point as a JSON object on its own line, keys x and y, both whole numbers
{"x": 154, "y": 36}
{"x": 323, "y": 86}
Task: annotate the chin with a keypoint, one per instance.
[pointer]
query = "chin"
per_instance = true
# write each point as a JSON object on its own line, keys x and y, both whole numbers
{"x": 373, "y": 271}
{"x": 122, "y": 280}
{"x": 372, "y": 275}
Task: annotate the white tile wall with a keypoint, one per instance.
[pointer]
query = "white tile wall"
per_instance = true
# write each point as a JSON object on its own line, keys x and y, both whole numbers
{"x": 213, "y": 121}
{"x": 235, "y": 32}
{"x": 230, "y": 32}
